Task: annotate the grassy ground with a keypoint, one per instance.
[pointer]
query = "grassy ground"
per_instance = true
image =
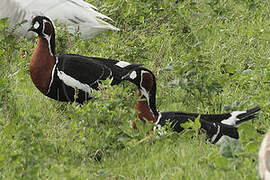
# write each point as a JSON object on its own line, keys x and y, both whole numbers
{"x": 208, "y": 56}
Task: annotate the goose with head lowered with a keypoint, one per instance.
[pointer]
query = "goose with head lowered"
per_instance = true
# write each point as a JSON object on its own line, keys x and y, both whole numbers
{"x": 216, "y": 126}
{"x": 63, "y": 77}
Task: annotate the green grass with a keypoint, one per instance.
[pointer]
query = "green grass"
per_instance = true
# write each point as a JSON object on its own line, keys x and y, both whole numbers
{"x": 208, "y": 57}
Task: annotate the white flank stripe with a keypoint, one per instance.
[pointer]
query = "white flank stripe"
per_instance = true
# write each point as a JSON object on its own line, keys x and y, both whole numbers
{"x": 70, "y": 81}
{"x": 122, "y": 64}
{"x": 233, "y": 119}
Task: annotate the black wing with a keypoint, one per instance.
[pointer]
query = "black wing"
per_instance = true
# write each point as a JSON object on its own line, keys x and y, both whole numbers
{"x": 118, "y": 73}
{"x": 83, "y": 69}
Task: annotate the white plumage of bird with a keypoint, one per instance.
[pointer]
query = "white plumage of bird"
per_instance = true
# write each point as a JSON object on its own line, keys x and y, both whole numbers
{"x": 264, "y": 158}
{"x": 77, "y": 15}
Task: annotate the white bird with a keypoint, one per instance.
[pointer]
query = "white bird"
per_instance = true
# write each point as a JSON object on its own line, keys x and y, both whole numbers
{"x": 264, "y": 158}
{"x": 77, "y": 15}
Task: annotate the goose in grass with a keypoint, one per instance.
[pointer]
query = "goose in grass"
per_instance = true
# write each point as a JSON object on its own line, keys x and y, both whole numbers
{"x": 264, "y": 158}
{"x": 77, "y": 15}
{"x": 62, "y": 77}
{"x": 216, "y": 126}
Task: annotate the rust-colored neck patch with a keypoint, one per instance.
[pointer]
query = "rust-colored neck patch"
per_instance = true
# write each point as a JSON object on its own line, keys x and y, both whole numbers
{"x": 145, "y": 112}
{"x": 147, "y": 81}
{"x": 48, "y": 29}
{"x": 41, "y": 65}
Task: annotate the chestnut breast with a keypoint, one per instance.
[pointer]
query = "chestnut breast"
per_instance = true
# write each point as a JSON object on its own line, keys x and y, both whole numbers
{"x": 41, "y": 65}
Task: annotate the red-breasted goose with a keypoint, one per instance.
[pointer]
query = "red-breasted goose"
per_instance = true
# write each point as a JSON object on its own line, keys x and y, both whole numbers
{"x": 59, "y": 77}
{"x": 216, "y": 125}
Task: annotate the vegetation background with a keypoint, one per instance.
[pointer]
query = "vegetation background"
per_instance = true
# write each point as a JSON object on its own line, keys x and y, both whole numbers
{"x": 209, "y": 56}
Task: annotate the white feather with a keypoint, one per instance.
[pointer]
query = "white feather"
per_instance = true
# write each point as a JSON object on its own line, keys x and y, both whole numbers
{"x": 75, "y": 14}
{"x": 70, "y": 81}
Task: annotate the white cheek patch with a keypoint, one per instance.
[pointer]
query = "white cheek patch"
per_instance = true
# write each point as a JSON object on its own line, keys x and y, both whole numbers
{"x": 233, "y": 119}
{"x": 133, "y": 75}
{"x": 122, "y": 64}
{"x": 70, "y": 81}
{"x": 36, "y": 25}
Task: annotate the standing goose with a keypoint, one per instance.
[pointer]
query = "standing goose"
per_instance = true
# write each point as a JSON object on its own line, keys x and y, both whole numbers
{"x": 215, "y": 125}
{"x": 77, "y": 15}
{"x": 63, "y": 77}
